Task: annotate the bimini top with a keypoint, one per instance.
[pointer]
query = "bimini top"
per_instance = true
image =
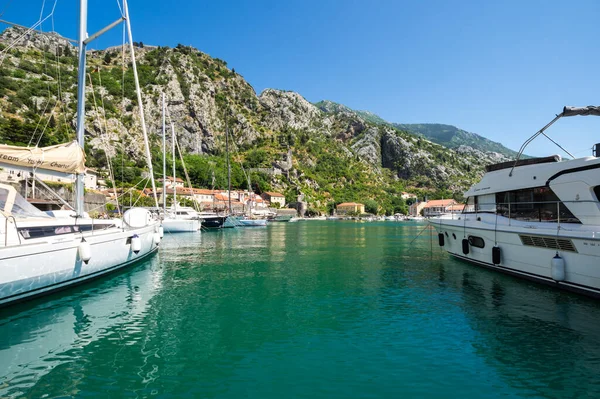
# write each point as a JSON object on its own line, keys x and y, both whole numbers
{"x": 522, "y": 162}
{"x": 593, "y": 110}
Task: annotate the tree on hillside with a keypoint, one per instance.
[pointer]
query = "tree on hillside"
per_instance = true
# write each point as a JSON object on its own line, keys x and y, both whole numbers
{"x": 371, "y": 207}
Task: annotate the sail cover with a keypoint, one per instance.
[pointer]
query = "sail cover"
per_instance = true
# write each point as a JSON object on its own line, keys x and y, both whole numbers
{"x": 583, "y": 111}
{"x": 66, "y": 158}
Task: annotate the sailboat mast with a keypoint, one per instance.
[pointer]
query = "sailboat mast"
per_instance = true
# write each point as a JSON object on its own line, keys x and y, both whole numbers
{"x": 79, "y": 204}
{"x": 164, "y": 147}
{"x": 140, "y": 104}
{"x": 175, "y": 185}
{"x": 228, "y": 165}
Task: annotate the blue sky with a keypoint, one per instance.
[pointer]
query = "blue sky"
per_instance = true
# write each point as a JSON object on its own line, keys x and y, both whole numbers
{"x": 500, "y": 69}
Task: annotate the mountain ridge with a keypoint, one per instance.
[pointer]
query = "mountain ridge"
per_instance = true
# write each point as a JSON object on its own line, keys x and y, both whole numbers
{"x": 335, "y": 156}
{"x": 447, "y": 135}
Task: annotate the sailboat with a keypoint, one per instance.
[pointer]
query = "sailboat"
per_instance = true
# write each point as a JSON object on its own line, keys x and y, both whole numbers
{"x": 173, "y": 222}
{"x": 250, "y": 220}
{"x": 40, "y": 253}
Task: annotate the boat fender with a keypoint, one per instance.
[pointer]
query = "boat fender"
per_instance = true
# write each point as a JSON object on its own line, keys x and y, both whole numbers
{"x": 85, "y": 251}
{"x": 441, "y": 239}
{"x": 136, "y": 244}
{"x": 161, "y": 231}
{"x": 465, "y": 246}
{"x": 558, "y": 268}
{"x": 156, "y": 238}
{"x": 496, "y": 255}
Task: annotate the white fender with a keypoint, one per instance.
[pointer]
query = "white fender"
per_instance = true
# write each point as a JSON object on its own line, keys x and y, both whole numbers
{"x": 558, "y": 268}
{"x": 85, "y": 251}
{"x": 136, "y": 244}
{"x": 156, "y": 238}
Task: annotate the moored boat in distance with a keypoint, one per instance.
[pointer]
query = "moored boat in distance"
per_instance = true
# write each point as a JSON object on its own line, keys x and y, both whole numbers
{"x": 247, "y": 222}
{"x": 535, "y": 218}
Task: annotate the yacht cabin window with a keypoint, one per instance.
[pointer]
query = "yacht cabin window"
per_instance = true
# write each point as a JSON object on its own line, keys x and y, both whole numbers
{"x": 481, "y": 203}
{"x": 597, "y": 192}
{"x": 538, "y": 204}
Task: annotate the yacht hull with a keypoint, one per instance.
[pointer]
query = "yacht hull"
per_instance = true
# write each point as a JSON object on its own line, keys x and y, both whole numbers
{"x": 527, "y": 252}
{"x": 180, "y": 225}
{"x": 35, "y": 269}
{"x": 213, "y": 222}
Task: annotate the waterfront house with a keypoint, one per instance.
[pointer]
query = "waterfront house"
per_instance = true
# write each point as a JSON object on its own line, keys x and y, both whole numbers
{"x": 416, "y": 208}
{"x": 204, "y": 195}
{"x": 438, "y": 207}
{"x": 350, "y": 207}
{"x": 274, "y": 198}
{"x": 15, "y": 173}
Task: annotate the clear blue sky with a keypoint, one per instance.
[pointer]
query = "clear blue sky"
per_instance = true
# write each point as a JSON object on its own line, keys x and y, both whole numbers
{"x": 502, "y": 69}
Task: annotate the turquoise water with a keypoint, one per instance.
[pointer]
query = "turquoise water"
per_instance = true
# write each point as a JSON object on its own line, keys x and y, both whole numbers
{"x": 303, "y": 310}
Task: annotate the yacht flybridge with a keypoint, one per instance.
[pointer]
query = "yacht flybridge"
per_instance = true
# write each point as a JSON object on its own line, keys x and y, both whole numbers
{"x": 40, "y": 253}
{"x": 535, "y": 218}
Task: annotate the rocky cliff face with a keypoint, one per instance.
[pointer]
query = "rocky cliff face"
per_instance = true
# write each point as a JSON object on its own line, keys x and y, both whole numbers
{"x": 204, "y": 96}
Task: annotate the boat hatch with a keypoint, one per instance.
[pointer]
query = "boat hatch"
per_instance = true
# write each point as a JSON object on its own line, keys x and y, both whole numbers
{"x": 561, "y": 244}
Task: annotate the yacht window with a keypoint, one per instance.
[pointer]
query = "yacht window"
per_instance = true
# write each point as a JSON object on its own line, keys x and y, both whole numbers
{"x": 597, "y": 192}
{"x": 538, "y": 204}
{"x": 486, "y": 203}
{"x": 477, "y": 241}
{"x": 471, "y": 204}
{"x": 49, "y": 231}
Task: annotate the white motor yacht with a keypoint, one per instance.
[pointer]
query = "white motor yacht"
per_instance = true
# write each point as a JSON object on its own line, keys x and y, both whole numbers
{"x": 535, "y": 218}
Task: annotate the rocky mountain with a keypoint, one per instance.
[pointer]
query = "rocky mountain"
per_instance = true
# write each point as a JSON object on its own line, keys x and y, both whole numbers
{"x": 446, "y": 135}
{"x": 453, "y": 137}
{"x": 325, "y": 154}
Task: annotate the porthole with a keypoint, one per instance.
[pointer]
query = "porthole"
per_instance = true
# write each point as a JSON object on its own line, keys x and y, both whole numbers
{"x": 476, "y": 241}
{"x": 445, "y": 232}
{"x": 454, "y": 236}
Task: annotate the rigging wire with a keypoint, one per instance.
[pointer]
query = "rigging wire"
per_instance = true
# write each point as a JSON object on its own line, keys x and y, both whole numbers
{"x": 38, "y": 124}
{"x": 5, "y": 7}
{"x": 47, "y": 123}
{"x": 28, "y": 31}
{"x": 123, "y": 107}
{"x": 103, "y": 133}
{"x": 187, "y": 176}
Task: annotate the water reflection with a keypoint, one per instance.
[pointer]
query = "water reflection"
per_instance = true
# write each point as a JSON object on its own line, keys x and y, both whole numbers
{"x": 41, "y": 336}
{"x": 539, "y": 339}
{"x": 308, "y": 309}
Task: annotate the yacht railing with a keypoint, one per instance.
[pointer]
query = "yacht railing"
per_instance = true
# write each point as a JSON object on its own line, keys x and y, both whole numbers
{"x": 532, "y": 211}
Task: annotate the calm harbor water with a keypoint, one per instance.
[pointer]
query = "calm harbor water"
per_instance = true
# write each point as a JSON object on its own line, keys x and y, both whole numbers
{"x": 307, "y": 309}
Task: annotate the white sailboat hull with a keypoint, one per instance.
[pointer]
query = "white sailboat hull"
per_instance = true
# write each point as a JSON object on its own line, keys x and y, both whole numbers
{"x": 45, "y": 265}
{"x": 180, "y": 225}
{"x": 579, "y": 246}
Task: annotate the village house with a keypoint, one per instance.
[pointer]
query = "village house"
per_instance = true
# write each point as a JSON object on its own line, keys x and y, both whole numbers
{"x": 274, "y": 198}
{"x": 404, "y": 195}
{"x": 438, "y": 207}
{"x": 350, "y": 207}
{"x": 169, "y": 182}
{"x": 16, "y": 173}
{"x": 204, "y": 195}
{"x": 416, "y": 208}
